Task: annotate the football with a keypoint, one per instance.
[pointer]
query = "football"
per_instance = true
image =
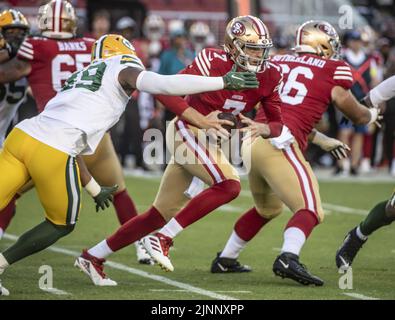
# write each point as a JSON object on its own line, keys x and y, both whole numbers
{"x": 230, "y": 117}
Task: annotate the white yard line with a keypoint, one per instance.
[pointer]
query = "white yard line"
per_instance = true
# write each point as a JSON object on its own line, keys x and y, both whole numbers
{"x": 183, "y": 290}
{"x": 56, "y": 291}
{"x": 141, "y": 273}
{"x": 359, "y": 296}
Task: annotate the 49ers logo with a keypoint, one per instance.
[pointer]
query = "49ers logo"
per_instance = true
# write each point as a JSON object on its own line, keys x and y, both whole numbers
{"x": 238, "y": 29}
{"x": 327, "y": 29}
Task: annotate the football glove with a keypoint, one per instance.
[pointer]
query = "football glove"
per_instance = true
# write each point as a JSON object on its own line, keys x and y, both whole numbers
{"x": 104, "y": 197}
{"x": 234, "y": 80}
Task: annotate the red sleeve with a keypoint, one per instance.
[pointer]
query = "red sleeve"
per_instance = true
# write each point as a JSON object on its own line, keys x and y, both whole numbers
{"x": 175, "y": 104}
{"x": 26, "y": 50}
{"x": 342, "y": 75}
{"x": 272, "y": 108}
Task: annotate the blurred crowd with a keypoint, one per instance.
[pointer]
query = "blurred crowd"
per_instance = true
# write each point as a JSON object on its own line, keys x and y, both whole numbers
{"x": 168, "y": 46}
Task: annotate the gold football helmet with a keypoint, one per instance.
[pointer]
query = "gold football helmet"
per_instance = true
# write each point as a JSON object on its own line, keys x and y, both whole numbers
{"x": 248, "y": 42}
{"x": 111, "y": 45}
{"x": 318, "y": 37}
{"x": 57, "y": 19}
{"x": 14, "y": 27}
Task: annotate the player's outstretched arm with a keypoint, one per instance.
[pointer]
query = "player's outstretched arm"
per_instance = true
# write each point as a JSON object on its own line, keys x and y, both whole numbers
{"x": 337, "y": 148}
{"x": 184, "y": 84}
{"x": 383, "y": 92}
{"x": 352, "y": 109}
{"x": 14, "y": 70}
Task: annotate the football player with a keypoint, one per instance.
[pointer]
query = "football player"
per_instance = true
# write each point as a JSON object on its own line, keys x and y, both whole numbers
{"x": 44, "y": 148}
{"x": 47, "y": 61}
{"x": 13, "y": 30}
{"x": 247, "y": 44}
{"x": 384, "y": 212}
{"x": 279, "y": 172}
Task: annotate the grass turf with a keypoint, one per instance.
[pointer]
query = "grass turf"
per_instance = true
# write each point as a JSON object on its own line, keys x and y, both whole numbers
{"x": 373, "y": 275}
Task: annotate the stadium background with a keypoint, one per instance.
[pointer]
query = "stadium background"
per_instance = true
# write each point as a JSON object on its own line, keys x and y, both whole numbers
{"x": 373, "y": 20}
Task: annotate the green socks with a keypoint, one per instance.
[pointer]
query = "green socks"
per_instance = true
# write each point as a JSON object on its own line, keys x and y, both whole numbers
{"x": 35, "y": 240}
{"x": 376, "y": 219}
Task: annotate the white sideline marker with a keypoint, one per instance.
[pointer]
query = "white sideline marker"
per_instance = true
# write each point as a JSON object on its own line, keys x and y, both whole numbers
{"x": 141, "y": 273}
{"x": 359, "y": 296}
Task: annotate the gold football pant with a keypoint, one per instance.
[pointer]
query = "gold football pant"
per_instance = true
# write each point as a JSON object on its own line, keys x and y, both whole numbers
{"x": 192, "y": 156}
{"x": 281, "y": 176}
{"x": 54, "y": 173}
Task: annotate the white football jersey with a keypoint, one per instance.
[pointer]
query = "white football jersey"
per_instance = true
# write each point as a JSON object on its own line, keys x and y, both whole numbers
{"x": 89, "y": 104}
{"x": 12, "y": 96}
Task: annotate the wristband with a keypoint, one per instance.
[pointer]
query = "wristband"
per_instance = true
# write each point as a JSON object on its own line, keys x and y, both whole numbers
{"x": 93, "y": 188}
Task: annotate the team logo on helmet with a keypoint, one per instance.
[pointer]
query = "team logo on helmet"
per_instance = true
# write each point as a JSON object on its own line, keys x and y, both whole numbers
{"x": 238, "y": 29}
{"x": 327, "y": 29}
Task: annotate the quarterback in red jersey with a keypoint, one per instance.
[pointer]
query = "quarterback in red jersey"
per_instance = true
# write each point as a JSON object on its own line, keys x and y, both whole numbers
{"x": 48, "y": 61}
{"x": 279, "y": 172}
{"x": 247, "y": 43}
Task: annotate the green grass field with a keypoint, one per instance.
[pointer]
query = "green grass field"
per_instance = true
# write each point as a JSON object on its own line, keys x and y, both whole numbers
{"x": 373, "y": 272}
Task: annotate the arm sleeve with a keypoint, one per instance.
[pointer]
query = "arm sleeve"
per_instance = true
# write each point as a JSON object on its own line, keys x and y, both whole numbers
{"x": 177, "y": 85}
{"x": 383, "y": 92}
{"x": 175, "y": 104}
{"x": 26, "y": 50}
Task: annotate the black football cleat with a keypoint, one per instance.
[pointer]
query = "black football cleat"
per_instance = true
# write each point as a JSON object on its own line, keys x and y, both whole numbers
{"x": 287, "y": 265}
{"x": 228, "y": 265}
{"x": 346, "y": 253}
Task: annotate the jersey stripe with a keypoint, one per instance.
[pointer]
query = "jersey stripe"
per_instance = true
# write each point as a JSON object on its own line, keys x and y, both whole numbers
{"x": 343, "y": 68}
{"x": 200, "y": 67}
{"x": 26, "y": 49}
{"x": 343, "y": 72}
{"x": 203, "y": 64}
{"x": 343, "y": 78}
{"x": 27, "y": 44}
{"x": 24, "y": 54}
{"x": 204, "y": 54}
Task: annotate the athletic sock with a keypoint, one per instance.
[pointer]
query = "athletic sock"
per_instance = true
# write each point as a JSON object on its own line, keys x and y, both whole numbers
{"x": 124, "y": 206}
{"x": 7, "y": 213}
{"x": 298, "y": 230}
{"x": 246, "y": 227}
{"x": 37, "y": 239}
{"x": 360, "y": 235}
{"x": 376, "y": 219}
{"x": 207, "y": 201}
{"x": 171, "y": 229}
{"x": 135, "y": 229}
{"x": 101, "y": 250}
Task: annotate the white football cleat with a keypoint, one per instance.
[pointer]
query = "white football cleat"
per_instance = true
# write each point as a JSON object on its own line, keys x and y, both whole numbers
{"x": 3, "y": 291}
{"x": 157, "y": 246}
{"x": 93, "y": 268}
{"x": 142, "y": 256}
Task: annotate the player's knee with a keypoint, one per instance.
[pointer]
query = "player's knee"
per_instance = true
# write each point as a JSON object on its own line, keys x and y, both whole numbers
{"x": 64, "y": 230}
{"x": 231, "y": 188}
{"x": 269, "y": 213}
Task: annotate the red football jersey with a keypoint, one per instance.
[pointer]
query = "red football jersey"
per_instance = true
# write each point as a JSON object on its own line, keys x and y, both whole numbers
{"x": 306, "y": 90}
{"x": 52, "y": 62}
{"x": 215, "y": 63}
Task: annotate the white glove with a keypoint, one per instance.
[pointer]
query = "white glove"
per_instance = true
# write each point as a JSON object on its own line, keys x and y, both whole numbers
{"x": 284, "y": 140}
